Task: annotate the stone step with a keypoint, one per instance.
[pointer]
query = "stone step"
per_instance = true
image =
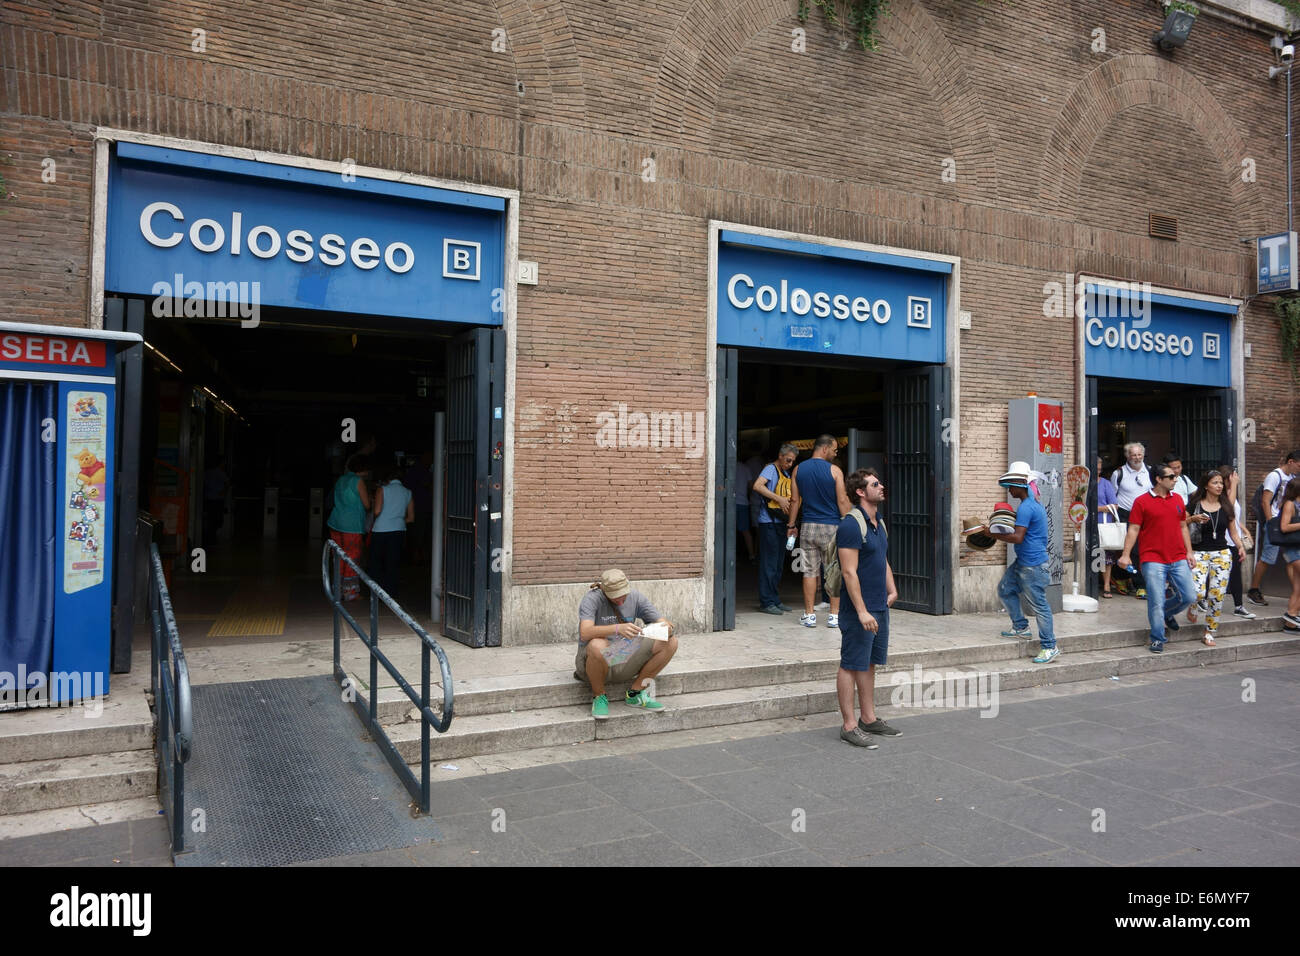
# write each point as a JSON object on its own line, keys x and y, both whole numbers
{"x": 32, "y": 785}
{"x": 61, "y": 819}
{"x": 526, "y": 692}
{"x": 572, "y": 723}
{"x": 70, "y": 732}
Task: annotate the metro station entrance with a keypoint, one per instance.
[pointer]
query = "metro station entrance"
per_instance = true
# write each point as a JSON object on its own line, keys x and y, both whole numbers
{"x": 885, "y": 415}
{"x": 823, "y": 336}
{"x": 1159, "y": 371}
{"x": 295, "y": 317}
{"x": 243, "y": 433}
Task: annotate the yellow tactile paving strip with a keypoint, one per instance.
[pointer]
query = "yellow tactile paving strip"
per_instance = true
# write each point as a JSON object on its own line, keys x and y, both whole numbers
{"x": 252, "y": 612}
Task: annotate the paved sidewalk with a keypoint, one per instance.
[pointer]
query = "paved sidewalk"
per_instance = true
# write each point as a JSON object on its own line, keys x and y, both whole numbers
{"x": 758, "y": 638}
{"x": 1178, "y": 771}
{"x": 1183, "y": 771}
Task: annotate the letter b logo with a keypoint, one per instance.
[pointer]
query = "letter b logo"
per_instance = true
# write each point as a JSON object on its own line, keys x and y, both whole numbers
{"x": 460, "y": 259}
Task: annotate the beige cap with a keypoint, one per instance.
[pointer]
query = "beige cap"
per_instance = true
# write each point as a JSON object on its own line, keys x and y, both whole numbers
{"x": 614, "y": 583}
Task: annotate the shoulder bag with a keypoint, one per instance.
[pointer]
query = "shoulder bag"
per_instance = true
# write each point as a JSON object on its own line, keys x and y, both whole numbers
{"x": 1290, "y": 539}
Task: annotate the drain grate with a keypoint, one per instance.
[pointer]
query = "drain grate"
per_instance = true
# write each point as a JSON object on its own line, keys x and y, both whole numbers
{"x": 284, "y": 773}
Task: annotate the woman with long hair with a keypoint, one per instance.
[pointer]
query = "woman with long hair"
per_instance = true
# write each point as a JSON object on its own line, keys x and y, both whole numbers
{"x": 1232, "y": 494}
{"x": 347, "y": 520}
{"x": 1290, "y": 521}
{"x": 1212, "y": 523}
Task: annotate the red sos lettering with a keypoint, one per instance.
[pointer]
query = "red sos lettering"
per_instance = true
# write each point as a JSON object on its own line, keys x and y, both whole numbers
{"x": 1050, "y": 429}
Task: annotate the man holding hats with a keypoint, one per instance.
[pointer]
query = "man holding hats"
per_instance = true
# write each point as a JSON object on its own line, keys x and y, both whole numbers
{"x": 611, "y": 647}
{"x": 1029, "y": 573}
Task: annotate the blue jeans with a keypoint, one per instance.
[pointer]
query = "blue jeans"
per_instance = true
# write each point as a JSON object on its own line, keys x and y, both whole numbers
{"x": 1031, "y": 580}
{"x": 771, "y": 549}
{"x": 1180, "y": 576}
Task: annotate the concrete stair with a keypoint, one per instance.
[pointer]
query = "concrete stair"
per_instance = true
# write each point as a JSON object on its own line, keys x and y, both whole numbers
{"x": 504, "y": 714}
{"x": 72, "y": 781}
{"x": 57, "y": 762}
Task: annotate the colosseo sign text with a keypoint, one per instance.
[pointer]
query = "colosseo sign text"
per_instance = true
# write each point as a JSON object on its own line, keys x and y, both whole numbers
{"x": 813, "y": 297}
{"x": 743, "y": 294}
{"x": 1146, "y": 336}
{"x": 303, "y": 238}
{"x": 263, "y": 241}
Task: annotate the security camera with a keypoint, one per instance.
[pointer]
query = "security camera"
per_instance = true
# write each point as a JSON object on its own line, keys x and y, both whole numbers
{"x": 1288, "y": 53}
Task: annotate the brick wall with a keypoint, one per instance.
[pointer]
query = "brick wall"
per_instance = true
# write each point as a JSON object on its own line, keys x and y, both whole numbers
{"x": 1059, "y": 153}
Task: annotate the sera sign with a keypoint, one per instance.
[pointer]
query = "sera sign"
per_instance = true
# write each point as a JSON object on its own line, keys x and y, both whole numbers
{"x": 1133, "y": 333}
{"x": 1275, "y": 258}
{"x": 22, "y": 349}
{"x": 302, "y": 238}
{"x": 801, "y": 296}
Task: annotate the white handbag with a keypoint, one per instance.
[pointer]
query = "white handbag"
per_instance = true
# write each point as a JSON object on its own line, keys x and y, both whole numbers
{"x": 1111, "y": 535}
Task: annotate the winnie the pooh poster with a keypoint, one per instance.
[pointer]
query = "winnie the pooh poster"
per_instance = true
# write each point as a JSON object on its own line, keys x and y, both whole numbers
{"x": 87, "y": 469}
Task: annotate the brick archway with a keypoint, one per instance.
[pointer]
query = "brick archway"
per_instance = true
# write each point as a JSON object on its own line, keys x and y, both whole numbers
{"x": 546, "y": 61}
{"x": 1120, "y": 84}
{"x": 707, "y": 41}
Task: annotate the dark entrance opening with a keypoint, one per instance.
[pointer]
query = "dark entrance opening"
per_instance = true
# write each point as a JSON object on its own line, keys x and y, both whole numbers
{"x": 1196, "y": 422}
{"x": 888, "y": 415}
{"x": 244, "y": 431}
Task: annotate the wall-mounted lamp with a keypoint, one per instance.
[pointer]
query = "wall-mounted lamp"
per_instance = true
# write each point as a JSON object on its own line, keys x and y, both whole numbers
{"x": 1178, "y": 24}
{"x": 1285, "y": 54}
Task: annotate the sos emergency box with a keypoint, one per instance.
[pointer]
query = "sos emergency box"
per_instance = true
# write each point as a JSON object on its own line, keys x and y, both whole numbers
{"x": 1036, "y": 434}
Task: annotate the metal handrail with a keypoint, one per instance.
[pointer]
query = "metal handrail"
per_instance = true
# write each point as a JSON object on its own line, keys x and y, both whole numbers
{"x": 331, "y": 574}
{"x": 172, "y": 700}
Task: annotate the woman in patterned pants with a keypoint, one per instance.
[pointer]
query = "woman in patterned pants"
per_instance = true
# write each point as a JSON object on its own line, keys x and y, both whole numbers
{"x": 1212, "y": 524}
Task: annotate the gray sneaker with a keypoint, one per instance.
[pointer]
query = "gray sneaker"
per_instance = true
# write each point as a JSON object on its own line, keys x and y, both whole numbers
{"x": 858, "y": 738}
{"x": 878, "y": 726}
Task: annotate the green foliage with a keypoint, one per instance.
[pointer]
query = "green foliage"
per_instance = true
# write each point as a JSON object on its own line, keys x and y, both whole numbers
{"x": 857, "y": 17}
{"x": 861, "y": 18}
{"x": 1288, "y": 314}
{"x": 1192, "y": 9}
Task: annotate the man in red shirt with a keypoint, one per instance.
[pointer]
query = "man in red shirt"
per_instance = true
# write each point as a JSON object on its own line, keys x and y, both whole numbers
{"x": 1166, "y": 552}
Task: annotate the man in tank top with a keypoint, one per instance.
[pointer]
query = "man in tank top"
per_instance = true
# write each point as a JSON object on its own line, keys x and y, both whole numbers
{"x": 818, "y": 489}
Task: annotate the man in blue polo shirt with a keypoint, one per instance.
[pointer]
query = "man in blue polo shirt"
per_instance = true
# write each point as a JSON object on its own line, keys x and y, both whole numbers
{"x": 1029, "y": 573}
{"x": 869, "y": 589}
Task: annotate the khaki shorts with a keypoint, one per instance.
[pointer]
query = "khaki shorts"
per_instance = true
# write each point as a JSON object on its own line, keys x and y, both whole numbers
{"x": 819, "y": 552}
{"x": 623, "y": 672}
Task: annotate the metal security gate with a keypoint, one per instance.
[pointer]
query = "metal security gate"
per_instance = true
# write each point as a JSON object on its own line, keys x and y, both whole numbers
{"x": 126, "y": 315}
{"x": 918, "y": 497}
{"x": 724, "y": 493}
{"x": 475, "y": 445}
{"x": 1201, "y": 428}
{"x": 1091, "y": 445}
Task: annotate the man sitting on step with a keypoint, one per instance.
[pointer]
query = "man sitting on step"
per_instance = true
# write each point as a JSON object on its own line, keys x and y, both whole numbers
{"x": 611, "y": 646}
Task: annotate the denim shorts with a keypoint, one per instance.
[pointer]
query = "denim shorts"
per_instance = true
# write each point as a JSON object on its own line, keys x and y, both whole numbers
{"x": 859, "y": 648}
{"x": 1267, "y": 550}
{"x": 1290, "y": 554}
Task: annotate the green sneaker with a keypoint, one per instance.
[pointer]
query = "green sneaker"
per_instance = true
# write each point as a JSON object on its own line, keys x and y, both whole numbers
{"x": 600, "y": 708}
{"x": 644, "y": 701}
